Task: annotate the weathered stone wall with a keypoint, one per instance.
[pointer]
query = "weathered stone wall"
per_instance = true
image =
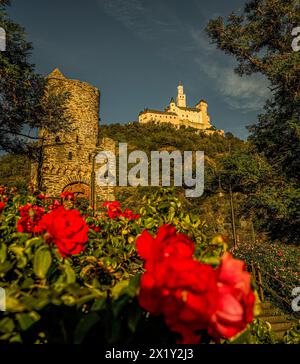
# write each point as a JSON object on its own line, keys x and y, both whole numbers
{"x": 68, "y": 157}
{"x": 105, "y": 193}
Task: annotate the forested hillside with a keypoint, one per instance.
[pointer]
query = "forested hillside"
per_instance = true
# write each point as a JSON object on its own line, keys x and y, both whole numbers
{"x": 214, "y": 206}
{"x": 15, "y": 171}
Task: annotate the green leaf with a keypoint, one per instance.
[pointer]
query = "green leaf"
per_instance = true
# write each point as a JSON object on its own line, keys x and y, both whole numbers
{"x": 26, "y": 320}
{"x": 135, "y": 316}
{"x": 149, "y": 223}
{"x": 119, "y": 305}
{"x": 118, "y": 288}
{"x": 13, "y": 304}
{"x": 42, "y": 262}
{"x": 3, "y": 253}
{"x": 7, "y": 325}
{"x": 70, "y": 274}
{"x": 34, "y": 241}
{"x": 84, "y": 326}
{"x": 99, "y": 304}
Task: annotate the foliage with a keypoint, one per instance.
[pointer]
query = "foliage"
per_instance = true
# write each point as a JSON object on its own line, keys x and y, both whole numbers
{"x": 47, "y": 296}
{"x": 90, "y": 297}
{"x": 15, "y": 171}
{"x": 277, "y": 212}
{"x": 258, "y": 332}
{"x": 260, "y": 193}
{"x": 26, "y": 102}
{"x": 293, "y": 335}
{"x": 246, "y": 171}
{"x": 279, "y": 265}
{"x": 260, "y": 39}
{"x": 271, "y": 202}
{"x": 149, "y": 137}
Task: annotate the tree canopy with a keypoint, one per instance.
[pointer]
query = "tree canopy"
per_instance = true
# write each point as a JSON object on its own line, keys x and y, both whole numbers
{"x": 26, "y": 102}
{"x": 260, "y": 39}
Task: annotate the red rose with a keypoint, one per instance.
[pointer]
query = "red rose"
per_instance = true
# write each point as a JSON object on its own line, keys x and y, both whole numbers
{"x": 67, "y": 195}
{"x": 2, "y": 205}
{"x": 114, "y": 210}
{"x": 167, "y": 243}
{"x": 67, "y": 230}
{"x": 235, "y": 302}
{"x": 41, "y": 196}
{"x": 92, "y": 224}
{"x": 184, "y": 292}
{"x": 96, "y": 229}
{"x": 190, "y": 295}
{"x": 128, "y": 214}
{"x": 175, "y": 284}
{"x": 111, "y": 204}
{"x": 30, "y": 217}
{"x": 232, "y": 272}
{"x": 54, "y": 206}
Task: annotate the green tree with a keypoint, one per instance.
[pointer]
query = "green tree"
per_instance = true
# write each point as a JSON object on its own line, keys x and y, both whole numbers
{"x": 246, "y": 171}
{"x": 15, "y": 171}
{"x": 277, "y": 212}
{"x": 260, "y": 39}
{"x": 26, "y": 102}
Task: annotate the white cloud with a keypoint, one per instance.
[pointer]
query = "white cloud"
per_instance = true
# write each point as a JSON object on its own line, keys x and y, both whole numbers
{"x": 201, "y": 40}
{"x": 247, "y": 93}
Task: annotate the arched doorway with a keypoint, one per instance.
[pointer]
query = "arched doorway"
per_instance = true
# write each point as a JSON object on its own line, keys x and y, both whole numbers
{"x": 80, "y": 190}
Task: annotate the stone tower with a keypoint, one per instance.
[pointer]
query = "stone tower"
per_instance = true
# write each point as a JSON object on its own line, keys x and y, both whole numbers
{"x": 181, "y": 97}
{"x": 202, "y": 106}
{"x": 68, "y": 158}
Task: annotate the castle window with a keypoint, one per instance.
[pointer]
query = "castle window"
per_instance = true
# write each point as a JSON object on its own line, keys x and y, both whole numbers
{"x": 57, "y": 139}
{"x": 70, "y": 156}
{"x": 77, "y": 139}
{"x": 90, "y": 158}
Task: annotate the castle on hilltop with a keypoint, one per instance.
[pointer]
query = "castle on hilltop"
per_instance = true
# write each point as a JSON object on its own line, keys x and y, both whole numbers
{"x": 178, "y": 114}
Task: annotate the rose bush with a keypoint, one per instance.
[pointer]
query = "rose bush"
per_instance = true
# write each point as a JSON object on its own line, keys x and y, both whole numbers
{"x": 280, "y": 269}
{"x": 30, "y": 218}
{"x": 2, "y": 205}
{"x": 191, "y": 295}
{"x": 72, "y": 276}
{"x": 66, "y": 228}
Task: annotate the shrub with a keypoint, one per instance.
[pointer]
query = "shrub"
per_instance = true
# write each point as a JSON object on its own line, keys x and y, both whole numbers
{"x": 71, "y": 277}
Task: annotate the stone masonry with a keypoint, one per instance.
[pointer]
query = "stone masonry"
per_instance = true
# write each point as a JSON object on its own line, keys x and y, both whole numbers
{"x": 68, "y": 157}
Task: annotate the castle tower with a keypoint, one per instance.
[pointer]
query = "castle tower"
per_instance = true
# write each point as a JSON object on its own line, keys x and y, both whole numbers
{"x": 181, "y": 97}
{"x": 203, "y": 106}
{"x": 68, "y": 157}
{"x": 172, "y": 105}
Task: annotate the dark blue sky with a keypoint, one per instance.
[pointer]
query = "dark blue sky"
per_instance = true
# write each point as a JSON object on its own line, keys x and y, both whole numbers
{"x": 136, "y": 52}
